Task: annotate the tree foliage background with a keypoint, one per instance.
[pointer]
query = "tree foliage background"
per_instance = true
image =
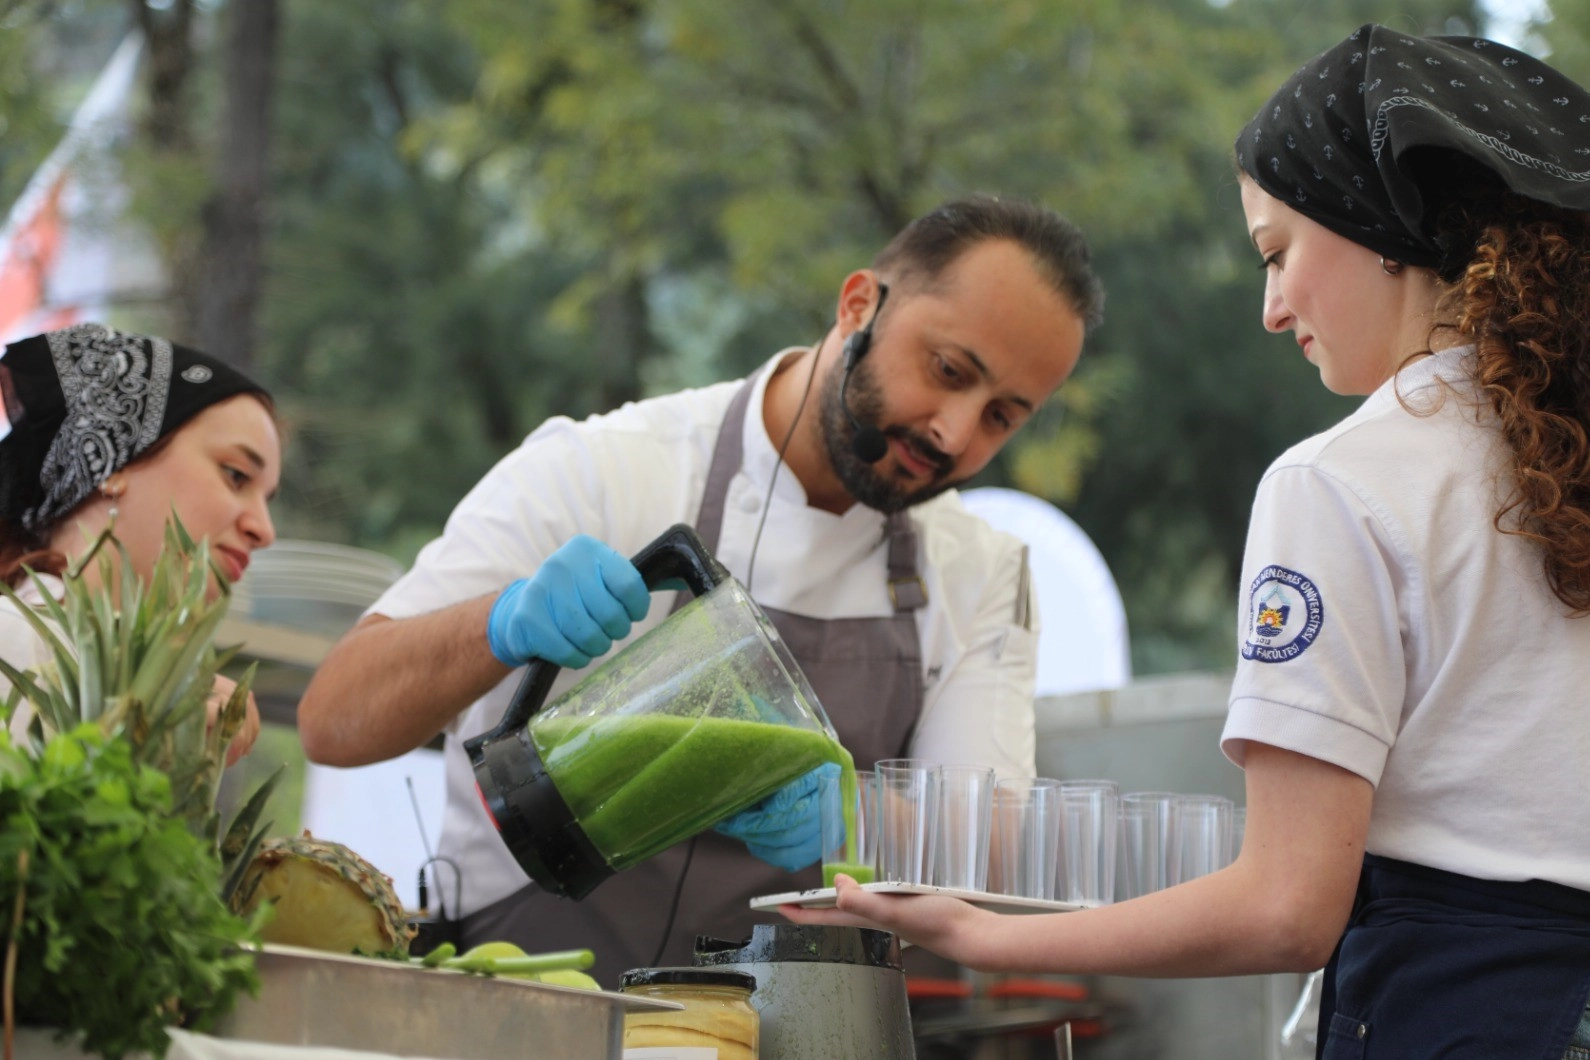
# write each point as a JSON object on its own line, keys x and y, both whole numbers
{"x": 478, "y": 214}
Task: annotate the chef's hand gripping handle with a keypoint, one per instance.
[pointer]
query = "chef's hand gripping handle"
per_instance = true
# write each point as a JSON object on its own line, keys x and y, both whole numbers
{"x": 677, "y": 556}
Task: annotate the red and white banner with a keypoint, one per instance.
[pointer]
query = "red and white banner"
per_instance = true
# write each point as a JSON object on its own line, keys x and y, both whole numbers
{"x": 64, "y": 251}
{"x": 58, "y": 249}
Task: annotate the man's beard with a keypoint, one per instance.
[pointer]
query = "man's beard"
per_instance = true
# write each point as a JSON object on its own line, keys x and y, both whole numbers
{"x": 862, "y": 480}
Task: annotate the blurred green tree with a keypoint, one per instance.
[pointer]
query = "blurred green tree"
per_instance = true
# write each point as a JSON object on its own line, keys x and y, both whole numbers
{"x": 1564, "y": 38}
{"x": 29, "y": 123}
{"x": 405, "y": 317}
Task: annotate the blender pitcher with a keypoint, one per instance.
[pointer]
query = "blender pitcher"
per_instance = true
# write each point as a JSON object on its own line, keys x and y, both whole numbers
{"x": 704, "y": 715}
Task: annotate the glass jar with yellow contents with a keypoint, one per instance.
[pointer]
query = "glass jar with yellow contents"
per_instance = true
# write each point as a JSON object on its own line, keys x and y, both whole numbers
{"x": 717, "y": 1017}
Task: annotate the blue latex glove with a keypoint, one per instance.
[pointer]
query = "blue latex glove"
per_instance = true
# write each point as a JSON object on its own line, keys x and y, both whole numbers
{"x": 784, "y": 829}
{"x": 583, "y": 598}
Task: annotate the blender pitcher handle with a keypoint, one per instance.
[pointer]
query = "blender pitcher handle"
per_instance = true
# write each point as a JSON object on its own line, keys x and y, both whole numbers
{"x": 677, "y": 555}
{"x": 680, "y": 554}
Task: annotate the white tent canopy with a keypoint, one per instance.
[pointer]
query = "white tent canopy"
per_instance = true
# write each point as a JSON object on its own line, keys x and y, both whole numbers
{"x": 1083, "y": 643}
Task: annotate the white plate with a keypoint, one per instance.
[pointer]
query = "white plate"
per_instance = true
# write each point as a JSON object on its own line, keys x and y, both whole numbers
{"x": 823, "y": 898}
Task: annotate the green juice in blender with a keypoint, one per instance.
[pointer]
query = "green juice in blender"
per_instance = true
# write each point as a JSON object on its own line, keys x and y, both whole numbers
{"x": 638, "y": 784}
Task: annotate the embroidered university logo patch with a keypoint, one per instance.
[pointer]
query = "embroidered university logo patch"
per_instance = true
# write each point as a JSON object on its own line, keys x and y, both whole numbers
{"x": 1285, "y": 612}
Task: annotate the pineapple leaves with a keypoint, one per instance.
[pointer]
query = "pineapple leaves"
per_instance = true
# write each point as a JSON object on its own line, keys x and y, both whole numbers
{"x": 137, "y": 658}
{"x": 230, "y": 720}
{"x": 22, "y": 686}
{"x": 242, "y": 841}
{"x": 65, "y": 661}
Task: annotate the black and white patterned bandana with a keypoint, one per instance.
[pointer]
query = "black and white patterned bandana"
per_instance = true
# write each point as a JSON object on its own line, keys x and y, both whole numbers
{"x": 86, "y": 401}
{"x": 1362, "y": 137}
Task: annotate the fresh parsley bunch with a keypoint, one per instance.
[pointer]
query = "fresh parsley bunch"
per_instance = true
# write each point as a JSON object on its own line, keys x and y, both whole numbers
{"x": 109, "y": 906}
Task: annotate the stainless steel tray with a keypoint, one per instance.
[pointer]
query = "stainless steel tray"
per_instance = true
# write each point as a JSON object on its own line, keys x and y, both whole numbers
{"x": 309, "y": 997}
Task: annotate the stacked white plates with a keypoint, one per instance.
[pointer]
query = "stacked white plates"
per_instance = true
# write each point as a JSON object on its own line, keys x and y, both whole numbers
{"x": 312, "y": 586}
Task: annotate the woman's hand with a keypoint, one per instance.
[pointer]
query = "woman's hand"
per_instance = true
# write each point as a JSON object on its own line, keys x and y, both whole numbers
{"x": 220, "y": 692}
{"x": 947, "y": 926}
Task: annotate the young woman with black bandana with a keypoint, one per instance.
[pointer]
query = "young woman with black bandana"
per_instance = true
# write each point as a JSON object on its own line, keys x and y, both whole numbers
{"x": 1415, "y": 623}
{"x": 103, "y": 427}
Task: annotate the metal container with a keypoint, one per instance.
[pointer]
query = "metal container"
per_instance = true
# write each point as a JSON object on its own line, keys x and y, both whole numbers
{"x": 308, "y": 997}
{"x": 824, "y": 993}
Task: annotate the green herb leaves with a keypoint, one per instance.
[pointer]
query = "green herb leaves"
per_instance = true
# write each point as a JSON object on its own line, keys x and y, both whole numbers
{"x": 122, "y": 930}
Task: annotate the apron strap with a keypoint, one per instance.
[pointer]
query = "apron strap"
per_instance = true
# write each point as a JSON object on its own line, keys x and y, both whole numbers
{"x": 727, "y": 456}
{"x": 907, "y": 590}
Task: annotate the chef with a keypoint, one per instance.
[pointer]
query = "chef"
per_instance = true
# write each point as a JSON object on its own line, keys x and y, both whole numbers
{"x": 824, "y": 483}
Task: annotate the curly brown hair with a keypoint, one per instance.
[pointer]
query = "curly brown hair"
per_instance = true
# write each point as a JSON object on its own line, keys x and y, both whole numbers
{"x": 1520, "y": 272}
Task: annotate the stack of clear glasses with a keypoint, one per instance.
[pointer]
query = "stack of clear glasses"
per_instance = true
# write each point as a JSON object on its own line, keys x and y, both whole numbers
{"x": 1168, "y": 838}
{"x": 1074, "y": 841}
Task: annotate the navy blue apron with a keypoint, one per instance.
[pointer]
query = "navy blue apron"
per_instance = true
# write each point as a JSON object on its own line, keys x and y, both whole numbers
{"x": 1436, "y": 964}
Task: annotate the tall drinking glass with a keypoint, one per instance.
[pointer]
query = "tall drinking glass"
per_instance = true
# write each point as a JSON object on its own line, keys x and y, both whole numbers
{"x": 966, "y": 799}
{"x": 1089, "y": 811}
{"x": 858, "y": 861}
{"x": 1150, "y": 842}
{"x": 1205, "y": 835}
{"x": 908, "y": 804}
{"x": 1026, "y": 837}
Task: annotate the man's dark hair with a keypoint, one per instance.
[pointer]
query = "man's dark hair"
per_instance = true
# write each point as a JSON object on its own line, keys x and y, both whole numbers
{"x": 931, "y": 243}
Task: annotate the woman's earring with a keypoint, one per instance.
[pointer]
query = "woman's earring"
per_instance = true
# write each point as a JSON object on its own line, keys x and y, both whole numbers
{"x": 113, "y": 496}
{"x": 1390, "y": 266}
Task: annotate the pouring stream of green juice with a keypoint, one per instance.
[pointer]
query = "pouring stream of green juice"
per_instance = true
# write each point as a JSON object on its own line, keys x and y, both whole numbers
{"x": 852, "y": 866}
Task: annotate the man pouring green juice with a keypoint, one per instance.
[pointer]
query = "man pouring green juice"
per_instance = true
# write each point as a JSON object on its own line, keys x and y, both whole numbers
{"x": 906, "y": 613}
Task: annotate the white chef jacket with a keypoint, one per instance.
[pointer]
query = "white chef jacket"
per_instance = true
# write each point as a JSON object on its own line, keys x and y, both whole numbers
{"x": 625, "y": 477}
{"x": 1387, "y": 627}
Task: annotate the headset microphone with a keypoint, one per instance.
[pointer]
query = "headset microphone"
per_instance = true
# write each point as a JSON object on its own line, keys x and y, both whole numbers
{"x": 869, "y": 444}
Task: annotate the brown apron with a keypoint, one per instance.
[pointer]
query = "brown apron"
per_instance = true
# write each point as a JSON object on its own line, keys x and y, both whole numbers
{"x": 867, "y": 673}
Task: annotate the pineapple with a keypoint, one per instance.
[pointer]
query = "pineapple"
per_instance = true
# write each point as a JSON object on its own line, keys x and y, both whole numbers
{"x": 139, "y": 659}
{"x": 326, "y": 897}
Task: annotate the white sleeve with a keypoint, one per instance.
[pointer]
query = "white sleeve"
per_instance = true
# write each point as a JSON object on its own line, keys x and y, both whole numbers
{"x": 1321, "y": 667}
{"x": 534, "y": 500}
{"x": 981, "y": 711}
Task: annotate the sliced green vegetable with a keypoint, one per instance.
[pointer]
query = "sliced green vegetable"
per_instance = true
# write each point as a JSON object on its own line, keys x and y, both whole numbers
{"x": 528, "y": 964}
{"x": 441, "y": 953}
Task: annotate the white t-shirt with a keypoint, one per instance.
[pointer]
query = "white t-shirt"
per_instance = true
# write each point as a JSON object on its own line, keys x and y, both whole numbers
{"x": 1387, "y": 627}
{"x": 21, "y": 645}
{"x": 625, "y": 477}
